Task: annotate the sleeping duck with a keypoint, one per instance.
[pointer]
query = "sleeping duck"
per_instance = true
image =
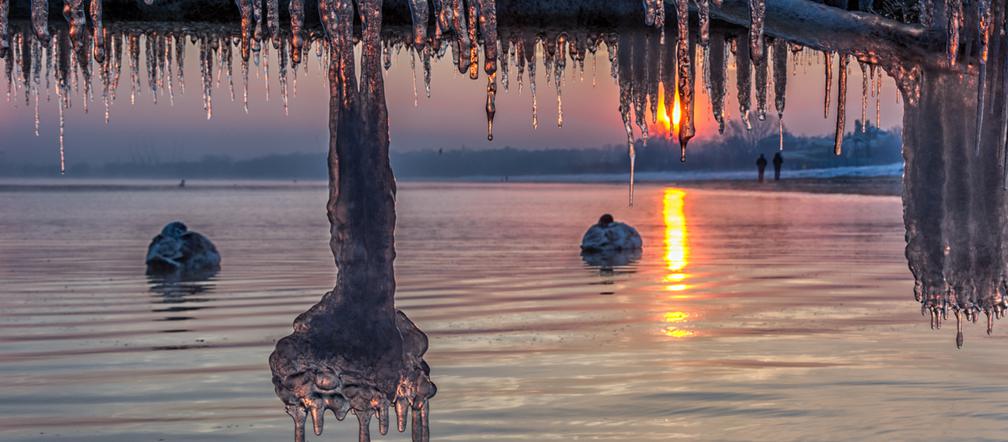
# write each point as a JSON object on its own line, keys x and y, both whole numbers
{"x": 178, "y": 251}
{"x": 610, "y": 236}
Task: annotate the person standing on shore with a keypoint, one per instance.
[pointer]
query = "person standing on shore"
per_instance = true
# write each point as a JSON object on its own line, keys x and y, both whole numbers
{"x": 761, "y": 163}
{"x": 778, "y": 160}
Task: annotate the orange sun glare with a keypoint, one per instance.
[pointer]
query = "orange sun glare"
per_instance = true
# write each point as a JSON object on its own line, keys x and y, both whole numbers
{"x": 669, "y": 124}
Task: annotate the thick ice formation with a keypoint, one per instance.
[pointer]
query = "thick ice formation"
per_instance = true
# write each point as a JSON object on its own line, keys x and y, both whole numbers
{"x": 353, "y": 352}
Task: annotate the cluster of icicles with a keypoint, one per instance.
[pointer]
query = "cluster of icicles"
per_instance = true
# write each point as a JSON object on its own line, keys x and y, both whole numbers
{"x": 310, "y": 383}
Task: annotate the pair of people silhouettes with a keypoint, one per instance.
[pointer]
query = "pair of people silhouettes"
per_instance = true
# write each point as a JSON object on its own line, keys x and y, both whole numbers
{"x": 761, "y": 164}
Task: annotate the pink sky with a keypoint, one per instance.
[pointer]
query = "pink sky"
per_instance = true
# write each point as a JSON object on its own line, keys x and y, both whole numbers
{"x": 451, "y": 118}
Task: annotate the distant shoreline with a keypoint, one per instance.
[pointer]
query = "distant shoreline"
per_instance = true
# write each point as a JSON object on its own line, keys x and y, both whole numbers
{"x": 878, "y": 185}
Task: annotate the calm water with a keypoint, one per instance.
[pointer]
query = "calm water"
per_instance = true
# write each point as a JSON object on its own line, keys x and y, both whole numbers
{"x": 750, "y": 316}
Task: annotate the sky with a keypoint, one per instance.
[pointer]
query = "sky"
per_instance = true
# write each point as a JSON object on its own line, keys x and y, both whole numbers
{"x": 453, "y": 117}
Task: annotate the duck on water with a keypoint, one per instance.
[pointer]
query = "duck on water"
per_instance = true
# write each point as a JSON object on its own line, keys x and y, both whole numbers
{"x": 180, "y": 251}
{"x": 610, "y": 236}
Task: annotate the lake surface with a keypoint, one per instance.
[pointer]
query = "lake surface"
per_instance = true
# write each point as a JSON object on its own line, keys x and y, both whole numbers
{"x": 751, "y": 315}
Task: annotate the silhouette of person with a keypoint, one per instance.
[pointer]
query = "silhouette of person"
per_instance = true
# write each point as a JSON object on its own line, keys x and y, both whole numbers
{"x": 761, "y": 163}
{"x": 778, "y": 160}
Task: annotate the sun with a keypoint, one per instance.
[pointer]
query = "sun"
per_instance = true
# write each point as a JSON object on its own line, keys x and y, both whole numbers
{"x": 669, "y": 124}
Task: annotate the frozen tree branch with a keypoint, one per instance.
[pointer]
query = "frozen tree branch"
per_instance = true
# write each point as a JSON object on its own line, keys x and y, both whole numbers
{"x": 868, "y": 36}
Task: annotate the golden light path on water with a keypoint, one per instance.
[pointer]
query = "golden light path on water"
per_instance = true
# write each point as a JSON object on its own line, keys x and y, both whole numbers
{"x": 676, "y": 260}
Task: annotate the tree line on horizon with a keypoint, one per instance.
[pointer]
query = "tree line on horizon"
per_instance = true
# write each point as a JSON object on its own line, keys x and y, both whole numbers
{"x": 736, "y": 150}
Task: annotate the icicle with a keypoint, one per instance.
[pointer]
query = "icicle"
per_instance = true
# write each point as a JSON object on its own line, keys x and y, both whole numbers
{"x": 273, "y": 18}
{"x": 878, "y": 100}
{"x": 134, "y": 53}
{"x": 560, "y": 64}
{"x": 633, "y": 161}
{"x": 703, "y": 11}
{"x": 40, "y": 19}
{"x": 743, "y": 74}
{"x": 829, "y": 81}
{"x": 757, "y": 11}
{"x": 864, "y": 96}
{"x": 780, "y": 60}
{"x": 99, "y": 30}
{"x": 762, "y": 80}
{"x": 296, "y": 10}
{"x": 959, "y": 333}
{"x": 62, "y": 163}
{"x": 841, "y": 106}
{"x": 508, "y": 51}
{"x": 1004, "y": 113}
{"x": 718, "y": 62}
{"x": 473, "y": 14}
{"x": 282, "y": 72}
{"x": 530, "y": 55}
{"x": 926, "y": 8}
{"x": 413, "y": 70}
{"x": 427, "y": 70}
{"x": 488, "y": 28}
{"x": 180, "y": 44}
{"x": 245, "y": 80}
{"x": 364, "y": 422}
{"x": 298, "y": 414}
{"x": 953, "y": 17}
{"x": 984, "y": 19}
{"x": 257, "y": 15}
{"x": 491, "y": 106}
{"x": 420, "y": 11}
{"x": 4, "y": 12}
{"x": 685, "y": 52}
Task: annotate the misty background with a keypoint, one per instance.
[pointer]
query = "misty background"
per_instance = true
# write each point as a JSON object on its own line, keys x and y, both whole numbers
{"x": 736, "y": 150}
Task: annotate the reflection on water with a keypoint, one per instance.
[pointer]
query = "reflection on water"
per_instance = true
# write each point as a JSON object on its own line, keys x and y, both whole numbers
{"x": 677, "y": 253}
{"x": 177, "y": 295}
{"x": 676, "y": 246}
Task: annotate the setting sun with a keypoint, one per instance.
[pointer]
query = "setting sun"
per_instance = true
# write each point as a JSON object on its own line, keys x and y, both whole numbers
{"x": 670, "y": 125}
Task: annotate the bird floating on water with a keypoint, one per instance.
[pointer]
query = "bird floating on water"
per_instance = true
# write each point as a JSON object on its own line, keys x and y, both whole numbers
{"x": 179, "y": 251}
{"x": 610, "y": 236}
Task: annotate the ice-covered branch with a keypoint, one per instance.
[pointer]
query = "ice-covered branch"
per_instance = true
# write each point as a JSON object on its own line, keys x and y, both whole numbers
{"x": 823, "y": 27}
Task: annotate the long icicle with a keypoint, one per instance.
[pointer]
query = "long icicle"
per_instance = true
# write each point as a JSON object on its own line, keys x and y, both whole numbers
{"x": 757, "y": 13}
{"x": 841, "y": 106}
{"x": 983, "y": 26}
{"x": 40, "y": 19}
{"x": 684, "y": 62}
{"x": 828, "y": 65}
{"x": 780, "y": 59}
